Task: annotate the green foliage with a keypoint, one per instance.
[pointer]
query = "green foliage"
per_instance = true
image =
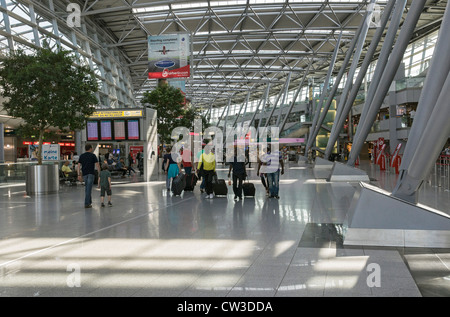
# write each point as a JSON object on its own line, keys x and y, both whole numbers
{"x": 188, "y": 119}
{"x": 47, "y": 89}
{"x": 167, "y": 101}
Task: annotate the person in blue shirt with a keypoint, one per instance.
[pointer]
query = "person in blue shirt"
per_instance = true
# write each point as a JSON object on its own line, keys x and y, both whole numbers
{"x": 120, "y": 166}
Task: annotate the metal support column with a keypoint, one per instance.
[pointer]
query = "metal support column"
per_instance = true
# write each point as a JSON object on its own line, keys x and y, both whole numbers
{"x": 286, "y": 92}
{"x": 439, "y": 68}
{"x": 261, "y": 101}
{"x": 266, "y": 97}
{"x": 355, "y": 60}
{"x": 223, "y": 112}
{"x": 226, "y": 118}
{"x": 208, "y": 114}
{"x": 299, "y": 89}
{"x": 7, "y": 25}
{"x": 79, "y": 144}
{"x": 317, "y": 122}
{"x": 278, "y": 99}
{"x": 54, "y": 22}
{"x": 257, "y": 108}
{"x": 245, "y": 110}
{"x": 346, "y": 102}
{"x": 324, "y": 92}
{"x": 2, "y": 143}
{"x": 431, "y": 130}
{"x": 388, "y": 75}
{"x": 380, "y": 67}
{"x": 37, "y": 41}
{"x": 240, "y": 109}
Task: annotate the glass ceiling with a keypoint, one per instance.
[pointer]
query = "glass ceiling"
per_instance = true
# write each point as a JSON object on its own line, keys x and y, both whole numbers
{"x": 238, "y": 46}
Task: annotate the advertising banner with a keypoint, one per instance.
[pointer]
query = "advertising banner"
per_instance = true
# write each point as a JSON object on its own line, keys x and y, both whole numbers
{"x": 50, "y": 152}
{"x": 169, "y": 56}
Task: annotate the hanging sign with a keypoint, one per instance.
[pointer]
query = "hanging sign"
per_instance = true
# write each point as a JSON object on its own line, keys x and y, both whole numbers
{"x": 169, "y": 56}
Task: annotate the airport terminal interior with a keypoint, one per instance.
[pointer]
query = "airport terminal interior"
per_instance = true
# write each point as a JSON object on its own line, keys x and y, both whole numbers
{"x": 351, "y": 98}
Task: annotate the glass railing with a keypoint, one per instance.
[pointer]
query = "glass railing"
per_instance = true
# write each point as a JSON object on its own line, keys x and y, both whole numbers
{"x": 360, "y": 99}
{"x": 291, "y": 129}
{"x": 383, "y": 125}
{"x": 15, "y": 172}
{"x": 412, "y": 82}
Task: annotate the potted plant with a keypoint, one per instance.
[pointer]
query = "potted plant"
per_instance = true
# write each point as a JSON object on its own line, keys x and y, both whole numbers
{"x": 168, "y": 102}
{"x": 46, "y": 89}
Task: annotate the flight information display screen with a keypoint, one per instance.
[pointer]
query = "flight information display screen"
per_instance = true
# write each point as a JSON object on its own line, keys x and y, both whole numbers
{"x": 106, "y": 130}
{"x": 92, "y": 131}
{"x": 119, "y": 130}
{"x": 133, "y": 129}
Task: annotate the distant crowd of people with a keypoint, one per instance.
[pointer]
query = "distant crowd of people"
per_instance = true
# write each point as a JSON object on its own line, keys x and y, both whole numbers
{"x": 205, "y": 169}
{"x": 202, "y": 164}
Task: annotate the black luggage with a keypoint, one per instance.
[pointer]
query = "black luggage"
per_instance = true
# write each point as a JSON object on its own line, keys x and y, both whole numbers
{"x": 178, "y": 184}
{"x": 96, "y": 177}
{"x": 220, "y": 188}
{"x": 248, "y": 189}
{"x": 191, "y": 181}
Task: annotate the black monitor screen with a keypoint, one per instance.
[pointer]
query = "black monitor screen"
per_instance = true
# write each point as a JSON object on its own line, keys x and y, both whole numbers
{"x": 92, "y": 130}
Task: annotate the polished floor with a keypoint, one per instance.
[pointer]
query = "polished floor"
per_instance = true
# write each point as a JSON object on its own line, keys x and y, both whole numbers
{"x": 150, "y": 243}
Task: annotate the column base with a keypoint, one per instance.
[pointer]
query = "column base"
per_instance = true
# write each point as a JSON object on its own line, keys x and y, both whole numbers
{"x": 376, "y": 218}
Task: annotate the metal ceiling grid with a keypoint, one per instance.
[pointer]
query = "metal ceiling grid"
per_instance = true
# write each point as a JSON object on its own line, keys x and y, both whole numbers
{"x": 239, "y": 46}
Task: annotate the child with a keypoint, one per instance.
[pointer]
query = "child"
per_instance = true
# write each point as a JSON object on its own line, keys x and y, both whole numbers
{"x": 104, "y": 182}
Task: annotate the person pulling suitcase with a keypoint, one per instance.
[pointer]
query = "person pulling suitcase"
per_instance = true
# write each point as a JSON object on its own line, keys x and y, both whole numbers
{"x": 207, "y": 164}
{"x": 237, "y": 166}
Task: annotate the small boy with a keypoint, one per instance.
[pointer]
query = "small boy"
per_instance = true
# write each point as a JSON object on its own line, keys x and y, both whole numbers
{"x": 104, "y": 182}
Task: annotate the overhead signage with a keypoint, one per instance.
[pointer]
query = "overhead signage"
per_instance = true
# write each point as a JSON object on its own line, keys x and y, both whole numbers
{"x": 169, "y": 56}
{"x": 117, "y": 114}
{"x": 113, "y": 130}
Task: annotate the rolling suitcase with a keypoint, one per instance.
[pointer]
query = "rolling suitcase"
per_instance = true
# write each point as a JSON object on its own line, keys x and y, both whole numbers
{"x": 248, "y": 189}
{"x": 220, "y": 188}
{"x": 178, "y": 184}
{"x": 191, "y": 181}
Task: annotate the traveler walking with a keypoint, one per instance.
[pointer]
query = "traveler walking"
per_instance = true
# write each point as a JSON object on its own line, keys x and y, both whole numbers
{"x": 208, "y": 160}
{"x": 87, "y": 164}
{"x": 273, "y": 171}
{"x": 239, "y": 174}
{"x": 172, "y": 167}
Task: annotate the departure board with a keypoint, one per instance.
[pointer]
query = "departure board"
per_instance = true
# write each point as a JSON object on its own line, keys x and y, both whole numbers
{"x": 133, "y": 129}
{"x": 92, "y": 130}
{"x": 119, "y": 129}
{"x": 106, "y": 130}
